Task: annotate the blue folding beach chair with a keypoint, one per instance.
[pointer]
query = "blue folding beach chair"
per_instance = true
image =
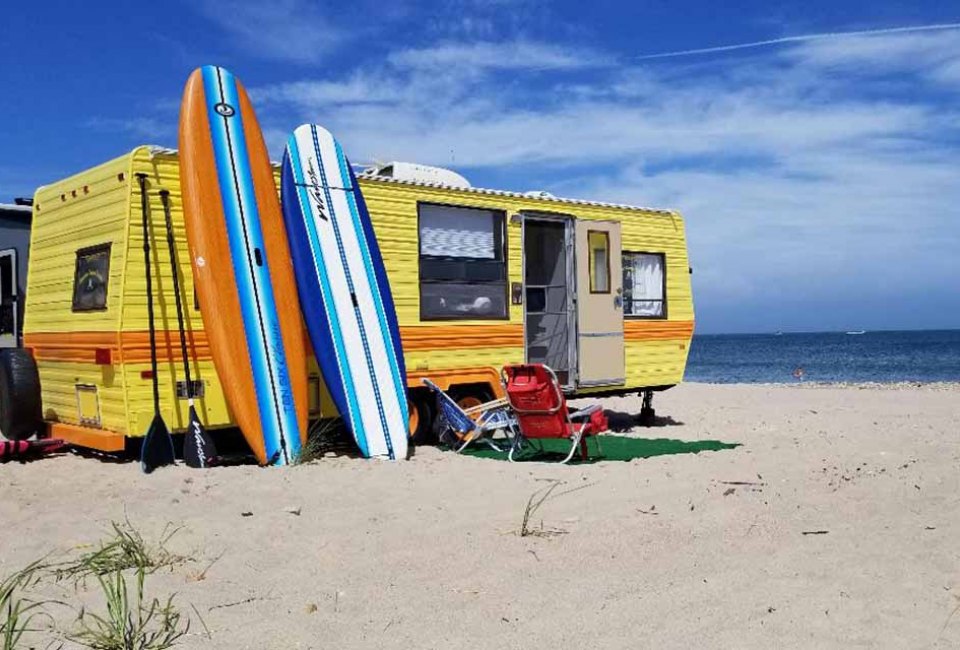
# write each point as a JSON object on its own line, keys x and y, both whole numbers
{"x": 459, "y": 429}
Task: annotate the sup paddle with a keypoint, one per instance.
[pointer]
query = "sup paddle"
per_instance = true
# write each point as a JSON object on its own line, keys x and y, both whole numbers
{"x": 198, "y": 447}
{"x": 157, "y": 449}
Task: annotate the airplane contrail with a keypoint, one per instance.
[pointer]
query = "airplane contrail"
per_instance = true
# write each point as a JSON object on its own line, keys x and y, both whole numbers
{"x": 798, "y": 39}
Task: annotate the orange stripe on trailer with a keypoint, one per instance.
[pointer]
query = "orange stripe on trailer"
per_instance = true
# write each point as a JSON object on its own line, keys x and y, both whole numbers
{"x": 446, "y": 337}
{"x": 134, "y": 346}
{"x": 653, "y": 330}
{"x": 124, "y": 347}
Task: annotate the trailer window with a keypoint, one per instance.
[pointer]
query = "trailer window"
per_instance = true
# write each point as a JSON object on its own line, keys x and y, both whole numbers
{"x": 463, "y": 268}
{"x": 599, "y": 243}
{"x": 644, "y": 285}
{"x": 91, "y": 277}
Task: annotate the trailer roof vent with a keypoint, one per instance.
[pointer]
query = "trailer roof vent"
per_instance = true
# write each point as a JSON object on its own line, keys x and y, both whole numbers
{"x": 416, "y": 173}
{"x": 539, "y": 194}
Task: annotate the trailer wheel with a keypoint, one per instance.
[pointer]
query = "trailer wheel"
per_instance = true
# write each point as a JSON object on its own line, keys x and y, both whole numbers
{"x": 466, "y": 397}
{"x": 470, "y": 396}
{"x": 421, "y": 409}
{"x": 20, "y": 414}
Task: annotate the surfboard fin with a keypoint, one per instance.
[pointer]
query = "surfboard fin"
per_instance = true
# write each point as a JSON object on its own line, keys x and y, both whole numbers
{"x": 198, "y": 448}
{"x": 157, "y": 449}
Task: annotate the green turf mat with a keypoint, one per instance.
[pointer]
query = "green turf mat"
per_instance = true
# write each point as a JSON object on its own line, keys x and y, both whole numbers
{"x": 612, "y": 448}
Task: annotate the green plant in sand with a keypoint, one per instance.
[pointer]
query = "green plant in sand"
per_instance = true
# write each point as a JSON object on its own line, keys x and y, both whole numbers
{"x": 537, "y": 499}
{"x": 325, "y": 435}
{"x": 18, "y": 612}
{"x": 130, "y": 622}
{"x": 125, "y": 549}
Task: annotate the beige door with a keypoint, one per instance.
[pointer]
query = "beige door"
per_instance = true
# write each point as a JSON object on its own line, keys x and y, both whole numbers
{"x": 599, "y": 304}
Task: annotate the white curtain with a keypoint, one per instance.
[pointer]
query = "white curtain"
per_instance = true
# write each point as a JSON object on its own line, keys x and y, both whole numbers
{"x": 647, "y": 293}
{"x": 457, "y": 232}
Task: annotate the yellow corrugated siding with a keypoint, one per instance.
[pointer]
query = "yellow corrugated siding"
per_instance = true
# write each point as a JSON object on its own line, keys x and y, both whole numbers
{"x": 62, "y": 224}
{"x": 494, "y": 357}
{"x": 60, "y": 228}
{"x": 211, "y": 408}
{"x": 393, "y": 210}
{"x": 163, "y": 172}
{"x": 58, "y": 381}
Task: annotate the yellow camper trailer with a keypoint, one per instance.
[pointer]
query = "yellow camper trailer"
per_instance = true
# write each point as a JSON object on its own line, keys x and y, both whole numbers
{"x": 480, "y": 278}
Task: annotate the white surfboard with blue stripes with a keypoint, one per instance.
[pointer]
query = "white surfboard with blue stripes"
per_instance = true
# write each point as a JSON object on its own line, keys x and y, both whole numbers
{"x": 344, "y": 292}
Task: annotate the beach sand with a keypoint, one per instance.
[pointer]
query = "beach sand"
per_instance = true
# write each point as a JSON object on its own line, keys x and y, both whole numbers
{"x": 834, "y": 524}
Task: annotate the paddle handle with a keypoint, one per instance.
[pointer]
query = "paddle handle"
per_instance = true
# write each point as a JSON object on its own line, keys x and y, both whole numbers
{"x": 142, "y": 180}
{"x": 175, "y": 269}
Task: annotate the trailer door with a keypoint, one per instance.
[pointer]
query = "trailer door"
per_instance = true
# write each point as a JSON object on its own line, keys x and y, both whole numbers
{"x": 9, "y": 300}
{"x": 599, "y": 304}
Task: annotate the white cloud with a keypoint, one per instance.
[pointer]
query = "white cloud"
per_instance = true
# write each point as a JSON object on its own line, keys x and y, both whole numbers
{"x": 934, "y": 56}
{"x": 288, "y": 30}
{"x": 826, "y": 169}
{"x": 510, "y": 55}
{"x": 150, "y": 128}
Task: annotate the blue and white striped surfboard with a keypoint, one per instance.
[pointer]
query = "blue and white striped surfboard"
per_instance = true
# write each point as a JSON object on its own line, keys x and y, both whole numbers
{"x": 344, "y": 292}
{"x": 242, "y": 266}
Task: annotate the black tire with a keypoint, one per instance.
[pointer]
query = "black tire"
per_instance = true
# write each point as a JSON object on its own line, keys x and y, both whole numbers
{"x": 20, "y": 413}
{"x": 480, "y": 393}
{"x": 425, "y": 433}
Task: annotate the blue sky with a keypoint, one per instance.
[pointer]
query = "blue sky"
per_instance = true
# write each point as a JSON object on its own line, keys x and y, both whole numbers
{"x": 819, "y": 176}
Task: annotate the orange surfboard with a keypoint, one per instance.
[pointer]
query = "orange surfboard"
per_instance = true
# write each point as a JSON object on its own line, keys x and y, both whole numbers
{"x": 241, "y": 265}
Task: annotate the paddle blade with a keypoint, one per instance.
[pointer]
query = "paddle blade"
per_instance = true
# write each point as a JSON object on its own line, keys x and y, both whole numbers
{"x": 157, "y": 449}
{"x": 198, "y": 447}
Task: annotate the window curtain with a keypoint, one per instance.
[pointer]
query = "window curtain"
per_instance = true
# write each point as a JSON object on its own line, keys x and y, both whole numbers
{"x": 647, "y": 290}
{"x": 457, "y": 232}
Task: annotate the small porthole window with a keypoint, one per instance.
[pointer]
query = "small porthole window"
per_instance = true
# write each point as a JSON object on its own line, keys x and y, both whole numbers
{"x": 91, "y": 277}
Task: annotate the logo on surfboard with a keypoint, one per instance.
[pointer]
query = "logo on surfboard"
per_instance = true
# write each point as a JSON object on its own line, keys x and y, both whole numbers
{"x": 224, "y": 109}
{"x": 315, "y": 191}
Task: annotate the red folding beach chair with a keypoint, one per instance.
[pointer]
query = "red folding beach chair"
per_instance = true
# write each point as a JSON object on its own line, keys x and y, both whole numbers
{"x": 537, "y": 400}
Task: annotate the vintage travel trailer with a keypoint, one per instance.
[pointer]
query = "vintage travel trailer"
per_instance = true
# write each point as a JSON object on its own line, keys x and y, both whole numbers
{"x": 481, "y": 278}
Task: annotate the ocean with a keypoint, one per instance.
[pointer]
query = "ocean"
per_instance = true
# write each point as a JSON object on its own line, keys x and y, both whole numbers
{"x": 884, "y": 357}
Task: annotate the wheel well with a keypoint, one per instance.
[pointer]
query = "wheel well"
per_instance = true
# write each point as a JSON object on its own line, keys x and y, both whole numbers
{"x": 478, "y": 388}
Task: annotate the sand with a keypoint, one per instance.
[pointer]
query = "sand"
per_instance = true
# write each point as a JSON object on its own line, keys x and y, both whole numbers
{"x": 675, "y": 551}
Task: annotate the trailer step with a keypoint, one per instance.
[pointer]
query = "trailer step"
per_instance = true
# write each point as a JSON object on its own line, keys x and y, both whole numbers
{"x": 108, "y": 441}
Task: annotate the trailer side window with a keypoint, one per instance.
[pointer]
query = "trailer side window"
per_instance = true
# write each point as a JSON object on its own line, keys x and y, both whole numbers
{"x": 91, "y": 277}
{"x": 644, "y": 285}
{"x": 463, "y": 268}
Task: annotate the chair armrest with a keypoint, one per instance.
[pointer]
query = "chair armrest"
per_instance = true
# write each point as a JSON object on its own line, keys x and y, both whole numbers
{"x": 586, "y": 411}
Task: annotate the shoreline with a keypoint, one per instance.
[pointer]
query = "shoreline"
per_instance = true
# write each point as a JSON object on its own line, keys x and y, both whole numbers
{"x": 881, "y": 385}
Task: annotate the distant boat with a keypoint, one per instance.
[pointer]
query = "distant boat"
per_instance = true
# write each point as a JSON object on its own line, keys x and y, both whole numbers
{"x": 856, "y": 332}
{"x": 778, "y": 333}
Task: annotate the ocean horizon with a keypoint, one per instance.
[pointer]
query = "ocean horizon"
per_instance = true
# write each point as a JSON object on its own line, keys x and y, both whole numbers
{"x": 880, "y": 356}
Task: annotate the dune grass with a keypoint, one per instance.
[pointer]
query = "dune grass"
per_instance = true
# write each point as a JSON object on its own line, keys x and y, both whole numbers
{"x": 325, "y": 435}
{"x": 131, "y": 621}
{"x": 124, "y": 549}
{"x": 18, "y": 611}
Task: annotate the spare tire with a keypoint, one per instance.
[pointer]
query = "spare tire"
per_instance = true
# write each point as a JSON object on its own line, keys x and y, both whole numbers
{"x": 20, "y": 413}
{"x": 422, "y": 404}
